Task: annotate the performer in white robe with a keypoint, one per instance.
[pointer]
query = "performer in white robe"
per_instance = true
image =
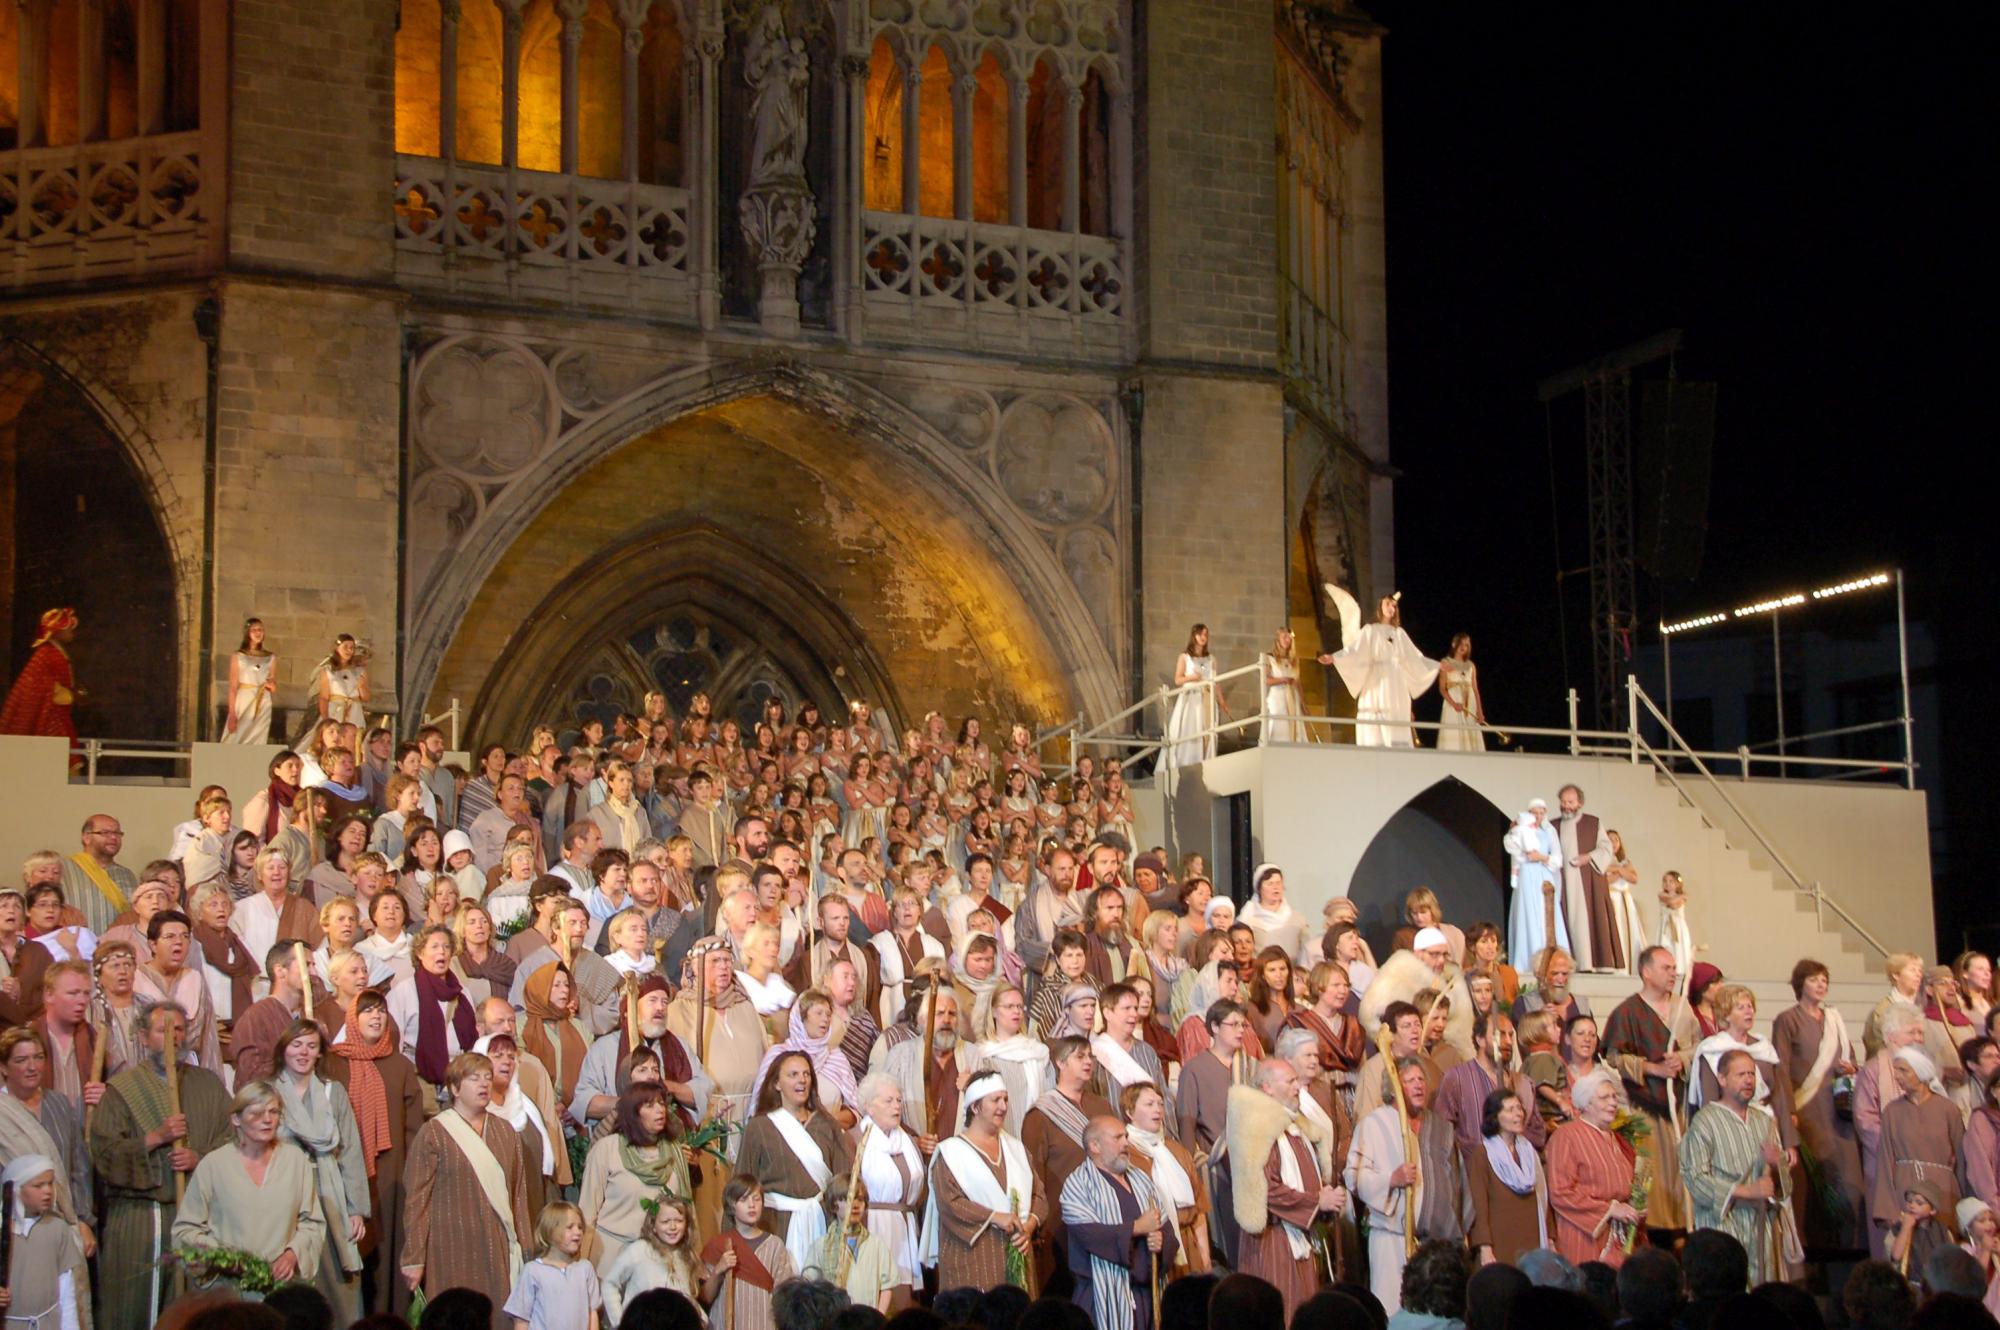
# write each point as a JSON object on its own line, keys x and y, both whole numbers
{"x": 250, "y": 694}
{"x": 1527, "y": 918}
{"x": 1382, "y": 668}
{"x": 1462, "y": 720}
{"x": 1194, "y": 710}
{"x": 1282, "y": 699}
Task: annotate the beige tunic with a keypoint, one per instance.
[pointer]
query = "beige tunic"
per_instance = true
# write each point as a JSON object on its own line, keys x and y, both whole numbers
{"x": 225, "y": 1207}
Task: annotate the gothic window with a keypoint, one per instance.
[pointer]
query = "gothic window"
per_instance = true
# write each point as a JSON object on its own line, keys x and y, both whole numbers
{"x": 685, "y": 654}
{"x": 475, "y": 65}
{"x": 85, "y": 86}
{"x": 1045, "y": 147}
{"x": 989, "y": 141}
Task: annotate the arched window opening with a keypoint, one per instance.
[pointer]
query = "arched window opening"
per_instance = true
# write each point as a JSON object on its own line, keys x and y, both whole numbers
{"x": 660, "y": 110}
{"x": 989, "y": 141}
{"x": 541, "y": 88}
{"x": 882, "y": 169}
{"x": 600, "y": 69}
{"x": 1096, "y": 143}
{"x": 1048, "y": 103}
{"x": 934, "y": 133}
{"x": 417, "y": 87}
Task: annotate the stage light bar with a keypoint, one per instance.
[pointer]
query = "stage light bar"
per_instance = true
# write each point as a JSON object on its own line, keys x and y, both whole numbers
{"x": 1858, "y": 584}
{"x": 1766, "y": 606}
{"x": 1776, "y": 603}
{"x": 1685, "y": 624}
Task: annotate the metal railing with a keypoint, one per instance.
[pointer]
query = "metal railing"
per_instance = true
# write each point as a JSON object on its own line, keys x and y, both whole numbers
{"x": 87, "y": 756}
{"x": 1113, "y": 736}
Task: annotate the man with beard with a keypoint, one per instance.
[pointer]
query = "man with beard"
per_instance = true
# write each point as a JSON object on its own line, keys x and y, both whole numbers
{"x": 1111, "y": 956}
{"x": 849, "y": 881}
{"x": 1461, "y": 1096}
{"x": 835, "y": 943}
{"x": 1648, "y": 1055}
{"x": 1278, "y": 1184}
{"x": 597, "y": 983}
{"x": 1586, "y": 855}
{"x": 932, "y": 1078}
{"x": 137, "y": 1145}
{"x": 1406, "y": 973}
{"x": 1051, "y": 906}
{"x": 669, "y": 931}
{"x": 687, "y": 1084}
{"x": 1115, "y": 1234}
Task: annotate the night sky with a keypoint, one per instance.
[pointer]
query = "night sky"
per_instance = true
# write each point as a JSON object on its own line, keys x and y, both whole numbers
{"x": 1795, "y": 190}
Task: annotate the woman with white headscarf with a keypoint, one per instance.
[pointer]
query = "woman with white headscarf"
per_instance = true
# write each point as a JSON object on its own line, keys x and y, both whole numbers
{"x": 892, "y": 1173}
{"x": 1271, "y": 918}
{"x": 511, "y": 1104}
{"x": 1921, "y": 1132}
{"x": 810, "y": 1031}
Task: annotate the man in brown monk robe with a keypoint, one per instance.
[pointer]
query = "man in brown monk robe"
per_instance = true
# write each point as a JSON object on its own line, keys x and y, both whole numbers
{"x": 1586, "y": 854}
{"x": 1277, "y": 1189}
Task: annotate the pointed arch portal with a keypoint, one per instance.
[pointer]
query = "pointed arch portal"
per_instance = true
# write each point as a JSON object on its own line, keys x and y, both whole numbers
{"x": 1446, "y": 838}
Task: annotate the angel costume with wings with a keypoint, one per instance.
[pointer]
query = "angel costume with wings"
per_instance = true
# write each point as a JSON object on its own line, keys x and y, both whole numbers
{"x": 1384, "y": 671}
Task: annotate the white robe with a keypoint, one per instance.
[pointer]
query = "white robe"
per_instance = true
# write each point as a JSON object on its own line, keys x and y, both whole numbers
{"x": 1527, "y": 934}
{"x": 1384, "y": 670}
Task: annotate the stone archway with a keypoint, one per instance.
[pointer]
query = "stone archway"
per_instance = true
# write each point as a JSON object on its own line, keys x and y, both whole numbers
{"x": 966, "y": 593}
{"x": 80, "y": 525}
{"x": 1447, "y": 837}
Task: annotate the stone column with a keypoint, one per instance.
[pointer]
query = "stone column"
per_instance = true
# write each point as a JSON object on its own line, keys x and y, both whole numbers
{"x": 572, "y": 12}
{"x": 512, "y": 18}
{"x": 850, "y": 114}
{"x": 1017, "y": 150}
{"x": 1072, "y": 185}
{"x": 964, "y": 87}
{"x": 913, "y": 132}
{"x": 449, "y": 12}
{"x": 702, "y": 61}
{"x": 632, "y": 17}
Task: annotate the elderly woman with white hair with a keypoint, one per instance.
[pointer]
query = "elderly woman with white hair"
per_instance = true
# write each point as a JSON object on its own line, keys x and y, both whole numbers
{"x": 892, "y": 1173}
{"x": 1590, "y": 1177}
{"x": 1921, "y": 1132}
{"x": 1876, "y": 1086}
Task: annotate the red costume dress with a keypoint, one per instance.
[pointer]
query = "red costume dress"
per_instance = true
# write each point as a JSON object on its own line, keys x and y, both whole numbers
{"x": 41, "y": 699}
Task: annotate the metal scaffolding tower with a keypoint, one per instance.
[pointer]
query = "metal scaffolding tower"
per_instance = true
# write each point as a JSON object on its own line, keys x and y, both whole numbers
{"x": 1607, "y": 449}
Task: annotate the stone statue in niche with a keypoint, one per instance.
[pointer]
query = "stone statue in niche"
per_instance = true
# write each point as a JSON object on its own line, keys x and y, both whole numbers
{"x": 776, "y": 210}
{"x": 776, "y": 68}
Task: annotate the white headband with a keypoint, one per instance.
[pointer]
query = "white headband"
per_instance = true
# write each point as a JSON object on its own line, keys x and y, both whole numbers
{"x": 1429, "y": 937}
{"x": 983, "y": 1085}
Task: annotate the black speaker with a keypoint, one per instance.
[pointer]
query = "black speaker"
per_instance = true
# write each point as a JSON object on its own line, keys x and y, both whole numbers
{"x": 1673, "y": 455}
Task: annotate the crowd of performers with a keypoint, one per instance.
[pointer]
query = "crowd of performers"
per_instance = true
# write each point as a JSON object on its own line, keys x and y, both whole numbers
{"x": 654, "y": 1011}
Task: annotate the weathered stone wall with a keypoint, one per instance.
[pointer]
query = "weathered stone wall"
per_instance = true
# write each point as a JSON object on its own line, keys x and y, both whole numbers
{"x": 1212, "y": 494}
{"x": 312, "y": 136}
{"x": 308, "y": 472}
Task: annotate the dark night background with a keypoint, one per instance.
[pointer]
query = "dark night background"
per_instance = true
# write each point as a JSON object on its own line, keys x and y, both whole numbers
{"x": 1794, "y": 189}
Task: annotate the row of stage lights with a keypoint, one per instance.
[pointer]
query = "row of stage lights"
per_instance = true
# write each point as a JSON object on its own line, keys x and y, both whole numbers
{"x": 1778, "y": 603}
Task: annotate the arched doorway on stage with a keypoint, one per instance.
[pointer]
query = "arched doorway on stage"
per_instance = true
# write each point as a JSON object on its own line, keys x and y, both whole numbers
{"x": 757, "y": 548}
{"x": 78, "y": 527}
{"x": 1447, "y": 838}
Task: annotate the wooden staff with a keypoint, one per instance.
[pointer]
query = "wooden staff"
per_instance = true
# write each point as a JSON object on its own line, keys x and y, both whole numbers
{"x": 632, "y": 1012}
{"x": 300, "y": 959}
{"x": 1548, "y": 914}
{"x": 729, "y": 1299}
{"x": 1382, "y": 1037}
{"x": 6, "y": 1235}
{"x": 99, "y": 1034}
{"x": 174, "y": 1104}
{"x": 930, "y": 1032}
{"x": 847, "y": 1207}
{"x": 1155, "y": 1258}
{"x": 701, "y": 1007}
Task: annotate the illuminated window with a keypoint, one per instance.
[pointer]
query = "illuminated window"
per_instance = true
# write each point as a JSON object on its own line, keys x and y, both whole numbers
{"x": 989, "y": 141}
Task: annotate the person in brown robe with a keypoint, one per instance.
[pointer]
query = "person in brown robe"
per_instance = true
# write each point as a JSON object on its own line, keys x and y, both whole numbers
{"x": 1921, "y": 1133}
{"x": 364, "y": 1049}
{"x": 1052, "y": 1134}
{"x": 1826, "y": 1139}
{"x": 985, "y": 1193}
{"x": 1505, "y": 1222}
{"x": 476, "y": 1246}
{"x": 1277, "y": 1200}
{"x": 767, "y": 1155}
{"x": 1593, "y": 927}
{"x": 1144, "y": 1108}
{"x": 253, "y": 1039}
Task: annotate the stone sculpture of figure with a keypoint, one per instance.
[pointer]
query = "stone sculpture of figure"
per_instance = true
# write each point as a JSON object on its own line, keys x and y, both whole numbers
{"x": 776, "y": 68}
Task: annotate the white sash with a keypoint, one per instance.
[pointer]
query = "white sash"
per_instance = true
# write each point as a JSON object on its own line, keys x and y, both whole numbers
{"x": 897, "y": 1229}
{"x": 976, "y": 1180}
{"x": 1288, "y": 1169}
{"x": 807, "y": 1225}
{"x": 492, "y": 1181}
{"x": 1121, "y": 1066}
{"x": 1833, "y": 1043}
{"x": 1172, "y": 1186}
